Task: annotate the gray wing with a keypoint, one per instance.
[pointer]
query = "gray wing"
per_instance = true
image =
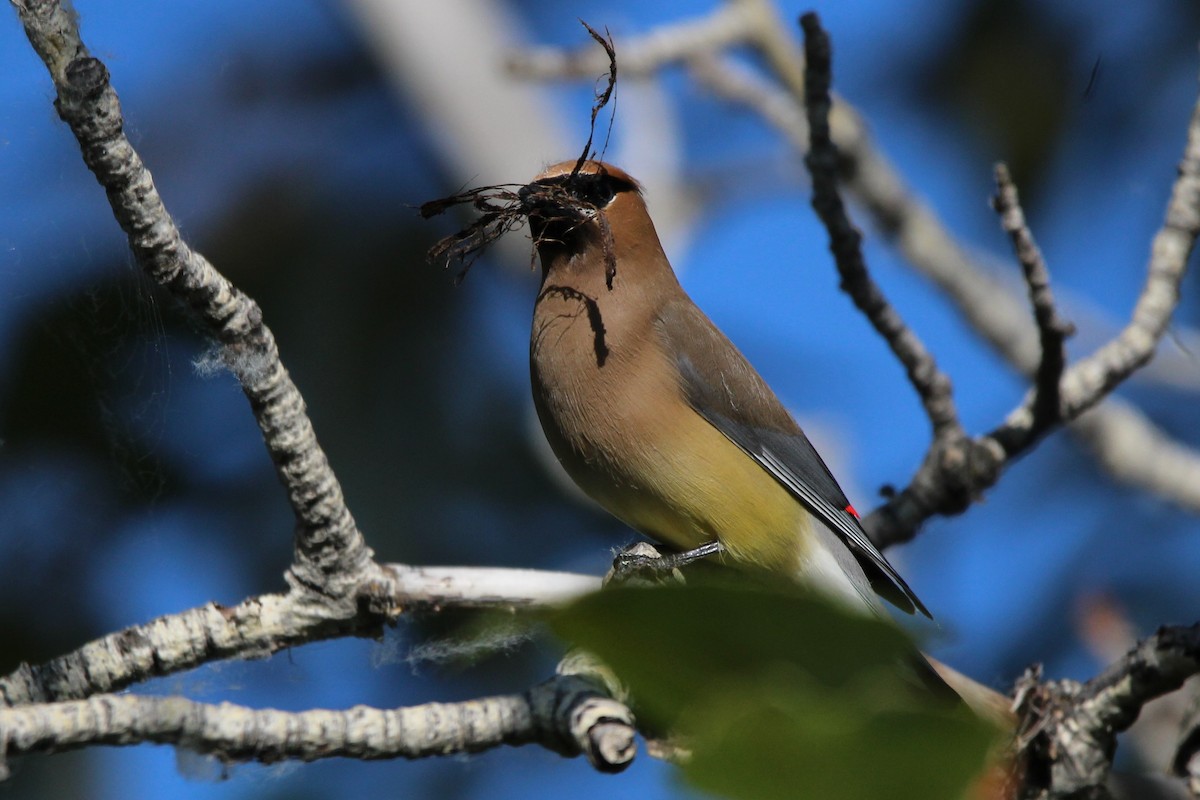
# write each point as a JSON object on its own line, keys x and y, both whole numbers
{"x": 723, "y": 388}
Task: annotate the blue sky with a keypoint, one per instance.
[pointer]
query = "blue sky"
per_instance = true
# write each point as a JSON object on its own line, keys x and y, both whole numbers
{"x": 224, "y": 97}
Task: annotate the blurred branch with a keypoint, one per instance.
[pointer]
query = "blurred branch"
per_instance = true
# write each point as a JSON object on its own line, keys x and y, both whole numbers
{"x": 726, "y": 26}
{"x": 411, "y": 41}
{"x": 1186, "y": 763}
{"x": 565, "y": 714}
{"x": 1068, "y": 730}
{"x": 1105, "y": 628}
{"x": 1135, "y": 450}
{"x": 754, "y": 22}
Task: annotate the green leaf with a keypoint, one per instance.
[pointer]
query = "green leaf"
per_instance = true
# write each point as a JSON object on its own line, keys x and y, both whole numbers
{"x": 671, "y": 643}
{"x": 787, "y": 738}
{"x": 780, "y": 693}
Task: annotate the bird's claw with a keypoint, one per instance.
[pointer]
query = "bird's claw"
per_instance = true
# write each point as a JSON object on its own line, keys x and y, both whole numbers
{"x": 643, "y": 564}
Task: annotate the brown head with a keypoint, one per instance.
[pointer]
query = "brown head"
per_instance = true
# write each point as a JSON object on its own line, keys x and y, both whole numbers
{"x": 593, "y": 219}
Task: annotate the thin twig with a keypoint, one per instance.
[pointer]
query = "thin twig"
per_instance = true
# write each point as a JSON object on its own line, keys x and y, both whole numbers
{"x": 1090, "y": 380}
{"x": 934, "y": 490}
{"x": 845, "y": 242}
{"x": 1052, "y": 330}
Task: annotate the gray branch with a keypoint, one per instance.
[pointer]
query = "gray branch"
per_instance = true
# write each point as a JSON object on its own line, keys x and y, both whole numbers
{"x": 1068, "y": 731}
{"x": 1044, "y": 401}
{"x": 956, "y": 470}
{"x": 845, "y": 241}
{"x": 1128, "y": 445}
{"x": 336, "y": 588}
{"x": 331, "y": 554}
{"x": 565, "y": 714}
{"x": 266, "y": 624}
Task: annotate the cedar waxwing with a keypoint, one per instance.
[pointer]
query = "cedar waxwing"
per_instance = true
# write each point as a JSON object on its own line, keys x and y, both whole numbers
{"x": 659, "y": 418}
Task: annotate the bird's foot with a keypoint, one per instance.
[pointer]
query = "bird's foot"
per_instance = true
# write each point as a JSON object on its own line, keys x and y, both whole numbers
{"x": 642, "y": 563}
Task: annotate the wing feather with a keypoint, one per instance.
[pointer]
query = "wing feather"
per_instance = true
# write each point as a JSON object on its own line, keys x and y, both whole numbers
{"x": 726, "y": 391}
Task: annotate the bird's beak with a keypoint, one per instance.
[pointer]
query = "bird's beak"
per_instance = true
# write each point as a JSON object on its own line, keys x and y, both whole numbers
{"x": 532, "y": 198}
{"x": 524, "y": 194}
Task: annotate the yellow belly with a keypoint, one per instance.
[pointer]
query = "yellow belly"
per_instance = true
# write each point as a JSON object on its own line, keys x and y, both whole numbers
{"x": 694, "y": 486}
{"x": 623, "y": 431}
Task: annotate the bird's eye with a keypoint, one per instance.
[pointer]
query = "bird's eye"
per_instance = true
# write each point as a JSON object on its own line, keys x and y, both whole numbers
{"x": 597, "y": 190}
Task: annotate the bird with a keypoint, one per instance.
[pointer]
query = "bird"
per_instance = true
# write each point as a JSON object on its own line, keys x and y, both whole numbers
{"x": 657, "y": 416}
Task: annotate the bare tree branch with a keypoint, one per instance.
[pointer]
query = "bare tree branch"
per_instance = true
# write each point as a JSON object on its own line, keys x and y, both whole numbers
{"x": 260, "y": 626}
{"x": 1043, "y": 403}
{"x": 480, "y": 587}
{"x": 928, "y": 246}
{"x": 565, "y": 714}
{"x": 336, "y": 588}
{"x": 331, "y": 554}
{"x": 1068, "y": 730}
{"x": 1087, "y": 382}
{"x": 845, "y": 242}
{"x": 956, "y": 468}
{"x": 1128, "y": 445}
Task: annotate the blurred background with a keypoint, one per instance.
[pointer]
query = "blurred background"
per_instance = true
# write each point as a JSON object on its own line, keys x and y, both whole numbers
{"x": 293, "y": 140}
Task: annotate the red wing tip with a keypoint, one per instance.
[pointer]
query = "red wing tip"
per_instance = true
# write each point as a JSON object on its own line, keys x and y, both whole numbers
{"x": 850, "y": 510}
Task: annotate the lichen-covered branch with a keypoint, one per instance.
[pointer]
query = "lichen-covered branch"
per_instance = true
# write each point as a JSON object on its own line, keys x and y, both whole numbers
{"x": 336, "y": 588}
{"x": 266, "y": 624}
{"x": 173, "y": 643}
{"x": 331, "y": 554}
{"x": 565, "y": 714}
{"x": 1068, "y": 730}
